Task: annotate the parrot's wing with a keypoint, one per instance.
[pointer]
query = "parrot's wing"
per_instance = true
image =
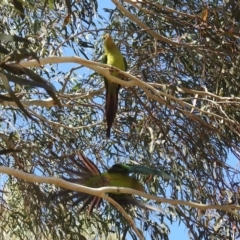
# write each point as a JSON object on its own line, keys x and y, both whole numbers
{"x": 119, "y": 168}
{"x": 125, "y": 64}
{"x": 75, "y": 198}
{"x": 84, "y": 169}
{"x": 128, "y": 168}
{"x": 104, "y": 59}
{"x": 88, "y": 164}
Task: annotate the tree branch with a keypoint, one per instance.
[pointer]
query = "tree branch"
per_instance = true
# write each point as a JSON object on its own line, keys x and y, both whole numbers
{"x": 148, "y": 88}
{"x": 101, "y": 192}
{"x": 149, "y": 30}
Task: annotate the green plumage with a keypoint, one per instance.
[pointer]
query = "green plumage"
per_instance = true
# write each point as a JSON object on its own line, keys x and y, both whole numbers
{"x": 112, "y": 56}
{"x": 128, "y": 168}
{"x": 117, "y": 176}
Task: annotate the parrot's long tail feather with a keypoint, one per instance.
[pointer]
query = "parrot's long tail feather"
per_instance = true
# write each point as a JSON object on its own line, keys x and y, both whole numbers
{"x": 111, "y": 110}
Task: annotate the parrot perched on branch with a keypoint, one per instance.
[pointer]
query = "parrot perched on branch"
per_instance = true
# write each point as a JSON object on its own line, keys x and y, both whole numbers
{"x": 117, "y": 176}
{"x": 112, "y": 56}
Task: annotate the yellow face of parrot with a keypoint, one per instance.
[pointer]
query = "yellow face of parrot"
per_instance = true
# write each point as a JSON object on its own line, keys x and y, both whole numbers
{"x": 108, "y": 41}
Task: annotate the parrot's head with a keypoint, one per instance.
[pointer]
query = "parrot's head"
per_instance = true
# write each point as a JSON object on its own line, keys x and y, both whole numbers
{"x": 108, "y": 41}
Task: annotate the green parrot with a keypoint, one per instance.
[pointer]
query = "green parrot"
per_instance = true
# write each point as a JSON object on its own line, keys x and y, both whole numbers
{"x": 117, "y": 176}
{"x": 112, "y": 56}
